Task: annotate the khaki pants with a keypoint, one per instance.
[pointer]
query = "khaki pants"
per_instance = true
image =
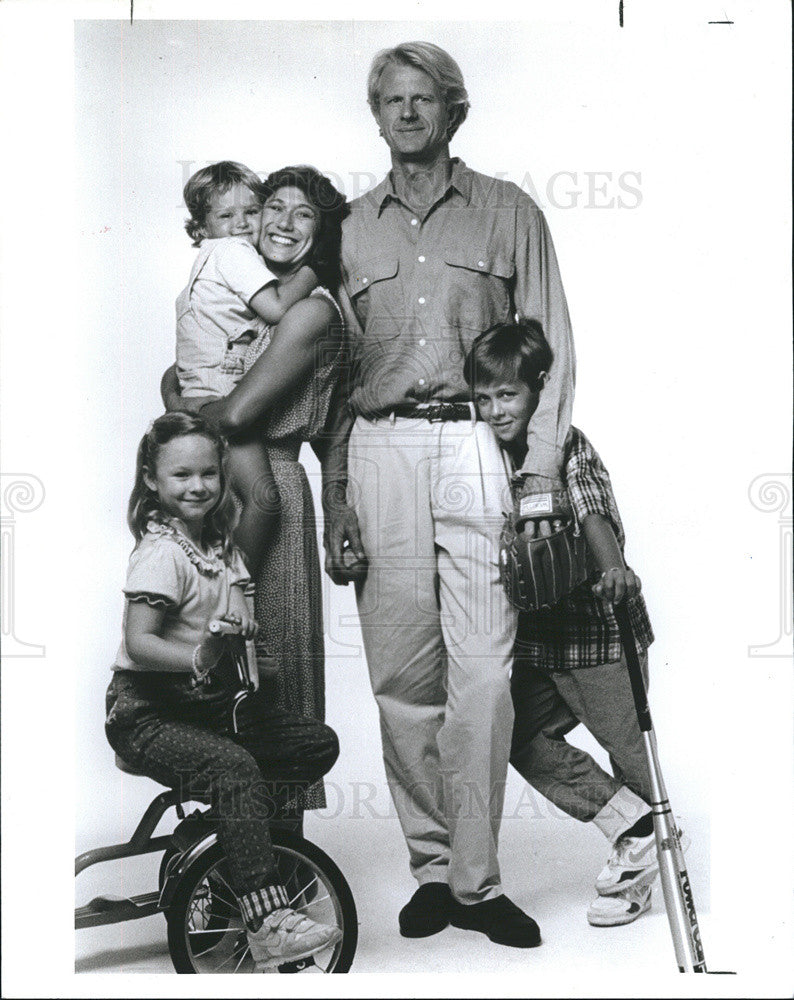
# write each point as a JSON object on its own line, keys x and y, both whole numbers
{"x": 438, "y": 633}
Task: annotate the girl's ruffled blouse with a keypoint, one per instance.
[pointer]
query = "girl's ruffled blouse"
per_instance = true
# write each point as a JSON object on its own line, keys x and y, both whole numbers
{"x": 207, "y": 563}
{"x": 167, "y": 570}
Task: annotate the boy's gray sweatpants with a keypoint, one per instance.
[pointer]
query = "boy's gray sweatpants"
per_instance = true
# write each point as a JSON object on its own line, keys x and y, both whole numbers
{"x": 548, "y": 705}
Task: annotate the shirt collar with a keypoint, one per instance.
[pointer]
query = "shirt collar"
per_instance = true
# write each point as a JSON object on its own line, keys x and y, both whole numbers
{"x": 460, "y": 181}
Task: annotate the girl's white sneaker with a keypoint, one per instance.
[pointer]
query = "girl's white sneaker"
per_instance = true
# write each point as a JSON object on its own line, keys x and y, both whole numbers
{"x": 286, "y": 936}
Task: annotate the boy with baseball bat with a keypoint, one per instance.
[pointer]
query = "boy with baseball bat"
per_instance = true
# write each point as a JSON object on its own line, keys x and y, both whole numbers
{"x": 569, "y": 666}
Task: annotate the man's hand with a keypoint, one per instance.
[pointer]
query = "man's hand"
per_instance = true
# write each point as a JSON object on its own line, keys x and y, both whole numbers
{"x": 616, "y": 584}
{"x": 345, "y": 559}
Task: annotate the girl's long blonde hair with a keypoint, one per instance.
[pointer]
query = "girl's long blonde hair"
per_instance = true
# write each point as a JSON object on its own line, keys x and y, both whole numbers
{"x": 144, "y": 505}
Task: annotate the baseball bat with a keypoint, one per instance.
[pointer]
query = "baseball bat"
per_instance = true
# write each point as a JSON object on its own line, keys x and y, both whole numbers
{"x": 678, "y": 899}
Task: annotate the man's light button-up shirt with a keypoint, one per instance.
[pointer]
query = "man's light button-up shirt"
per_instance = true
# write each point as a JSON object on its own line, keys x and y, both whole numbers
{"x": 488, "y": 255}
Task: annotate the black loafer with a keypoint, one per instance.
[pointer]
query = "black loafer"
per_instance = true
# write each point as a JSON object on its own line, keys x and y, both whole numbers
{"x": 427, "y": 911}
{"x": 500, "y": 920}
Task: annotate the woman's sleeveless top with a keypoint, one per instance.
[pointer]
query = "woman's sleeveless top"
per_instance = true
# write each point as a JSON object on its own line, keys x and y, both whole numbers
{"x": 303, "y": 413}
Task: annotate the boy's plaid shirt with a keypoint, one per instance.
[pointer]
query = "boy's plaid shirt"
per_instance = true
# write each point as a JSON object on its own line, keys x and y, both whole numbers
{"x": 581, "y": 631}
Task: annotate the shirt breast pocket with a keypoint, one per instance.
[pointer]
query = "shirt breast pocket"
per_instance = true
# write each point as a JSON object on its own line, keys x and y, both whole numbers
{"x": 479, "y": 289}
{"x": 373, "y": 278}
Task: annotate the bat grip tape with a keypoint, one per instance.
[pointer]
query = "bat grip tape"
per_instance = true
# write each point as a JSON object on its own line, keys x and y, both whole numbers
{"x": 635, "y": 670}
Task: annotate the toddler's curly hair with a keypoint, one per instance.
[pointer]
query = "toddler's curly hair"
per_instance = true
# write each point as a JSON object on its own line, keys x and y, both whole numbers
{"x": 217, "y": 178}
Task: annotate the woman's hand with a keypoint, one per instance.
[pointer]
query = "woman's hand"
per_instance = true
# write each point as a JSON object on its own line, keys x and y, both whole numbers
{"x": 169, "y": 389}
{"x": 211, "y": 409}
{"x": 173, "y": 398}
{"x": 197, "y": 404}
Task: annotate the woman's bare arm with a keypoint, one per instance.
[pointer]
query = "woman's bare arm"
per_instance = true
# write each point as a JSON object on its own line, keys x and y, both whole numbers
{"x": 295, "y": 349}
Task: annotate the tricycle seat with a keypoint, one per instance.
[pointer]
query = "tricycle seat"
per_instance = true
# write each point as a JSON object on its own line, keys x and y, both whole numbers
{"x": 122, "y": 765}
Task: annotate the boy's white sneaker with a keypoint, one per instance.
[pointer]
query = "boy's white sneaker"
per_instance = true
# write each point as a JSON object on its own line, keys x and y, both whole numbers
{"x": 286, "y": 936}
{"x": 622, "y": 908}
{"x": 633, "y": 860}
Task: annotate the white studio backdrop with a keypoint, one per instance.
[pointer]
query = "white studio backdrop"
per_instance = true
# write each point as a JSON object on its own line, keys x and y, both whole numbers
{"x": 660, "y": 155}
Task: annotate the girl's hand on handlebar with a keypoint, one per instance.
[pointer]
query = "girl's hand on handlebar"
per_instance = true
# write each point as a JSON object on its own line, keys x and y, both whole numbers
{"x": 246, "y": 625}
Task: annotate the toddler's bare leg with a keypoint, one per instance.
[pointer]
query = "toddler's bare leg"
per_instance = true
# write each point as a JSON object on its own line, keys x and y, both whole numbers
{"x": 252, "y": 477}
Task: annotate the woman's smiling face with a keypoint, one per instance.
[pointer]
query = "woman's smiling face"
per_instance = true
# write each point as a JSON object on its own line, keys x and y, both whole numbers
{"x": 289, "y": 225}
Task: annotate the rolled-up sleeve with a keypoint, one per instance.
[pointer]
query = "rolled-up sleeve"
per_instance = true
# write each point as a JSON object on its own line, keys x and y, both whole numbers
{"x": 588, "y": 483}
{"x": 539, "y": 295}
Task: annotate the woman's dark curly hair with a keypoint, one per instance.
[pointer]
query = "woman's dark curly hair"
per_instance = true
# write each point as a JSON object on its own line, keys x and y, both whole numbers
{"x": 332, "y": 209}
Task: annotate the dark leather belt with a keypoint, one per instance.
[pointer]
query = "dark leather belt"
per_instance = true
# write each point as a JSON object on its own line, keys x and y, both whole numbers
{"x": 429, "y": 411}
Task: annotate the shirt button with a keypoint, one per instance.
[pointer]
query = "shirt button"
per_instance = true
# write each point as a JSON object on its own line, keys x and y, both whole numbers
{"x": 421, "y": 300}
{"x": 480, "y": 263}
{"x": 414, "y": 222}
{"x": 421, "y": 259}
{"x": 364, "y": 281}
{"x": 422, "y": 342}
{"x": 421, "y": 381}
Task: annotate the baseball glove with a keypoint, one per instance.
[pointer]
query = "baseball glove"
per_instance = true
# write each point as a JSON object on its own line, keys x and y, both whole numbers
{"x": 538, "y": 571}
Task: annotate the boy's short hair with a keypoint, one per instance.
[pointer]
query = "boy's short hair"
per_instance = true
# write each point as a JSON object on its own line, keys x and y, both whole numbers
{"x": 217, "y": 178}
{"x": 509, "y": 352}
